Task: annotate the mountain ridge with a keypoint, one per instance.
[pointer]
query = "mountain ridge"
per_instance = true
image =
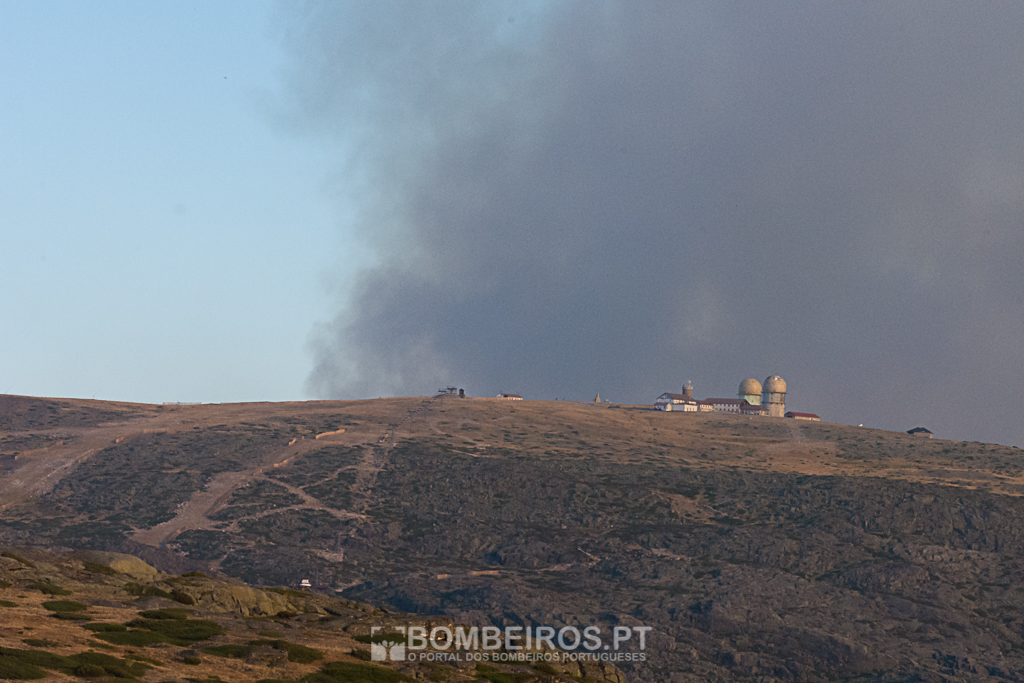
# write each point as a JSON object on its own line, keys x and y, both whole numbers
{"x": 753, "y": 546}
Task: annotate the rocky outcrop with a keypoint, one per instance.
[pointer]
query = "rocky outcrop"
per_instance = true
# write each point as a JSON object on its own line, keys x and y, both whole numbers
{"x": 249, "y": 602}
{"x": 121, "y": 563}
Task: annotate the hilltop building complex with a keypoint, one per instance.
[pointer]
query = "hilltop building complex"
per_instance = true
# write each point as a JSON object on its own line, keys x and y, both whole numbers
{"x": 753, "y": 399}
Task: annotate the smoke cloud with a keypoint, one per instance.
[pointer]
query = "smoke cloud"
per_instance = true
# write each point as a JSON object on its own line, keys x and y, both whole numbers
{"x": 585, "y": 197}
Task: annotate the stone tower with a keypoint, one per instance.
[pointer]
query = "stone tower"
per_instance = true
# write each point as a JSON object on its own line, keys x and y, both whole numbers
{"x": 775, "y": 396}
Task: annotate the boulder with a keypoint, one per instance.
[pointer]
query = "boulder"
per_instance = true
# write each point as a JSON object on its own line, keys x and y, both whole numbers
{"x": 119, "y": 562}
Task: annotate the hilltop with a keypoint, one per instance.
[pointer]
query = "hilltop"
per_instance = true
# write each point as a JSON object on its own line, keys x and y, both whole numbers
{"x": 754, "y": 546}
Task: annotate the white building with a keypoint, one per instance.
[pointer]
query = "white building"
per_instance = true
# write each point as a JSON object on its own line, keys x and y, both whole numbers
{"x": 727, "y": 405}
{"x": 750, "y": 409}
{"x": 678, "y": 402}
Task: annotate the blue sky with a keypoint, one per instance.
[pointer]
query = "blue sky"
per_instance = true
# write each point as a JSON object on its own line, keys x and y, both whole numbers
{"x": 163, "y": 235}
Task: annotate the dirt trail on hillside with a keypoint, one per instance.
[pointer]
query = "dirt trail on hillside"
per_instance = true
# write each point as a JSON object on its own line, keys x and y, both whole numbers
{"x": 41, "y": 469}
{"x": 375, "y": 457}
{"x": 195, "y": 512}
{"x": 192, "y": 514}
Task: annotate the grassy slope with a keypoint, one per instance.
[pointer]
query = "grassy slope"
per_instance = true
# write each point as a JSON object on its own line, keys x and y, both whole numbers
{"x": 102, "y": 626}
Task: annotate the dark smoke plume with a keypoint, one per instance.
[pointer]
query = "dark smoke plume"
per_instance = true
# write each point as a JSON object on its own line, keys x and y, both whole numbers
{"x": 618, "y": 197}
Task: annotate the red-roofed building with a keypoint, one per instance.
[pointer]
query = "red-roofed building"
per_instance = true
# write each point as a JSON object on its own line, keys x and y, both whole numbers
{"x": 803, "y": 416}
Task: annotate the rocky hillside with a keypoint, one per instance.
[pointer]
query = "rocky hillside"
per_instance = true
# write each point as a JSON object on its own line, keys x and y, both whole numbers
{"x": 97, "y": 615}
{"x": 755, "y": 548}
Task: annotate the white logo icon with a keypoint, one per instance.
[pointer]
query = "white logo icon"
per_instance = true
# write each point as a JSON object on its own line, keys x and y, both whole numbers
{"x": 386, "y": 650}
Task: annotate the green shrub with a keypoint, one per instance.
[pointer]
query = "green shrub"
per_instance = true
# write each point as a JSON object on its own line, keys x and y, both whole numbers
{"x": 89, "y": 671}
{"x": 12, "y": 669}
{"x": 41, "y": 642}
{"x": 176, "y": 632}
{"x": 29, "y": 664}
{"x": 97, "y": 658}
{"x": 110, "y": 665}
{"x": 199, "y": 575}
{"x": 101, "y": 627}
{"x": 99, "y": 569}
{"x": 182, "y": 597}
{"x": 49, "y": 588}
{"x": 102, "y": 646}
{"x": 228, "y": 651}
{"x": 19, "y": 558}
{"x": 4, "y": 584}
{"x": 172, "y": 613}
{"x": 361, "y": 653}
{"x": 191, "y": 630}
{"x": 134, "y": 638}
{"x": 65, "y": 606}
{"x": 192, "y": 660}
{"x": 299, "y": 654}
{"x": 41, "y": 658}
{"x": 70, "y": 616}
{"x": 8, "y": 603}
{"x": 341, "y": 672}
